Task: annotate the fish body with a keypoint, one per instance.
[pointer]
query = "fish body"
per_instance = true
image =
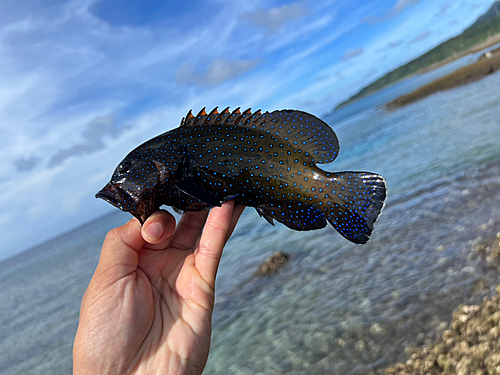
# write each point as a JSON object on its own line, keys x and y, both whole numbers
{"x": 266, "y": 161}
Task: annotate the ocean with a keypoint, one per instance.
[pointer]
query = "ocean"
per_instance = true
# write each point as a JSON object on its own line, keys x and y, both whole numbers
{"x": 335, "y": 307}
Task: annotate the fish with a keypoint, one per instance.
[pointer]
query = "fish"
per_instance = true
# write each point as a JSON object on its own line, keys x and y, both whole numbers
{"x": 268, "y": 161}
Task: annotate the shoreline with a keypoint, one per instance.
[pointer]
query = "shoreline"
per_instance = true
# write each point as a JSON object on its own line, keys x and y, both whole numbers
{"x": 487, "y": 64}
{"x": 490, "y": 42}
{"x": 471, "y": 344}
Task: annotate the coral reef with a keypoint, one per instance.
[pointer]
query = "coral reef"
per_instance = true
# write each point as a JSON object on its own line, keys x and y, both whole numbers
{"x": 471, "y": 346}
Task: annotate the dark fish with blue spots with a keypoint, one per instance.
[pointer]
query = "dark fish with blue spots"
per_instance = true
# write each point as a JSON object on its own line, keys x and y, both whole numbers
{"x": 263, "y": 160}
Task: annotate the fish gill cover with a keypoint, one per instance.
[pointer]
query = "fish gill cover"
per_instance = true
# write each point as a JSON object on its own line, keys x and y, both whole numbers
{"x": 262, "y": 160}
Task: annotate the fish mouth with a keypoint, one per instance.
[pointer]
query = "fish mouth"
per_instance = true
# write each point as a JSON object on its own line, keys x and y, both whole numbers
{"x": 111, "y": 194}
{"x": 139, "y": 208}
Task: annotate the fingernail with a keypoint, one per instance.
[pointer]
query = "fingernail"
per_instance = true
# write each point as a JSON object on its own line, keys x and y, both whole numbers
{"x": 155, "y": 230}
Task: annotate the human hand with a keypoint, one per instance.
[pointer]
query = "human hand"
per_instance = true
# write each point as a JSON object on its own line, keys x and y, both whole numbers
{"x": 148, "y": 308}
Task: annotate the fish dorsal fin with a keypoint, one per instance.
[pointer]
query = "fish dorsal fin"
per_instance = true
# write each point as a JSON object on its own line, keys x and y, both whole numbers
{"x": 301, "y": 129}
{"x": 214, "y": 117}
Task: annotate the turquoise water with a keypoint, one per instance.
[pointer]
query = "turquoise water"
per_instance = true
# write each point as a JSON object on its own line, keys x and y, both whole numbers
{"x": 335, "y": 308}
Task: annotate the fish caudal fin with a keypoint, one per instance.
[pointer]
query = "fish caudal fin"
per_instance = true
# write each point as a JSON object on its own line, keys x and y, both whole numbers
{"x": 352, "y": 202}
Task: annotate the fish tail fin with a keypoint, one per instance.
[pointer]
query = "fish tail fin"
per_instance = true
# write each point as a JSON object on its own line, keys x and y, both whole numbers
{"x": 352, "y": 202}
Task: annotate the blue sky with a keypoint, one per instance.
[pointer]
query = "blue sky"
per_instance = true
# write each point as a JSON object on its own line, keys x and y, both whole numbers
{"x": 83, "y": 82}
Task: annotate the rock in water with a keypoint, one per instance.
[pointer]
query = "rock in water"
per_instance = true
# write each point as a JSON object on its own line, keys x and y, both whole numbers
{"x": 272, "y": 264}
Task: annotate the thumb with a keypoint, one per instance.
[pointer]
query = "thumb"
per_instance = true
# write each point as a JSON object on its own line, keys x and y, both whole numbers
{"x": 119, "y": 254}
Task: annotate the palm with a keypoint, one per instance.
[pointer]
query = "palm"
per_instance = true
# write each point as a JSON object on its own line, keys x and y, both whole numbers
{"x": 154, "y": 316}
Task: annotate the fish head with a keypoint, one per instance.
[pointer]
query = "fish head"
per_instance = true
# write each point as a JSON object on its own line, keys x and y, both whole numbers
{"x": 135, "y": 185}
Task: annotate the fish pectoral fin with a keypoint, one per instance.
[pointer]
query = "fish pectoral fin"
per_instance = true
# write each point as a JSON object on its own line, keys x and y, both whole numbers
{"x": 294, "y": 215}
{"x": 195, "y": 190}
{"x": 178, "y": 211}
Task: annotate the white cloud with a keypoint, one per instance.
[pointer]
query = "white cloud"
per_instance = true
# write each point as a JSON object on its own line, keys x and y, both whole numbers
{"x": 420, "y": 37}
{"x": 79, "y": 92}
{"x": 220, "y": 70}
{"x": 273, "y": 19}
{"x": 392, "y": 12}
{"x": 349, "y": 54}
{"x": 93, "y": 137}
{"x": 401, "y": 4}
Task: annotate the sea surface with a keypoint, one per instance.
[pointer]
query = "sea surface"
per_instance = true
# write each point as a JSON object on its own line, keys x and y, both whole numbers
{"x": 335, "y": 308}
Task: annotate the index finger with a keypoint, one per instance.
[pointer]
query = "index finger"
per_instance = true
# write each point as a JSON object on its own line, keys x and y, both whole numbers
{"x": 213, "y": 240}
{"x": 188, "y": 230}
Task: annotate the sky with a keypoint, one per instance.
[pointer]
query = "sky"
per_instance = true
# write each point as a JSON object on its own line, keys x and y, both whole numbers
{"x": 83, "y": 82}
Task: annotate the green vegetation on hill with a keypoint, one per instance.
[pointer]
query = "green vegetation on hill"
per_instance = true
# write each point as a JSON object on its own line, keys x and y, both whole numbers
{"x": 477, "y": 33}
{"x": 467, "y": 74}
{"x": 493, "y": 12}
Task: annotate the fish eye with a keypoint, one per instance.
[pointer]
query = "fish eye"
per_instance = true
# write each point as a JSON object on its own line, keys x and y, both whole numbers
{"x": 123, "y": 167}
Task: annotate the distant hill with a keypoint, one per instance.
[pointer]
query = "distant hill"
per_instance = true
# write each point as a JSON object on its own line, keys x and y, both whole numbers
{"x": 485, "y": 26}
{"x": 493, "y": 12}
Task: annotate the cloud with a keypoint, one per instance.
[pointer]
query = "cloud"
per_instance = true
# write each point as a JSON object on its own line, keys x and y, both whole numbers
{"x": 25, "y": 164}
{"x": 393, "y": 11}
{"x": 421, "y": 37}
{"x": 93, "y": 140}
{"x": 220, "y": 70}
{"x": 395, "y": 44}
{"x": 70, "y": 80}
{"x": 443, "y": 10}
{"x": 401, "y": 4}
{"x": 273, "y": 19}
{"x": 352, "y": 53}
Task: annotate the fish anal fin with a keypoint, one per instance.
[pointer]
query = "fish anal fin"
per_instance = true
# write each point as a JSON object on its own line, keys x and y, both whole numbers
{"x": 294, "y": 215}
{"x": 262, "y": 213}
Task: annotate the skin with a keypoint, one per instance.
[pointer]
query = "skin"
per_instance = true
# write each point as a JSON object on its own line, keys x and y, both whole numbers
{"x": 148, "y": 308}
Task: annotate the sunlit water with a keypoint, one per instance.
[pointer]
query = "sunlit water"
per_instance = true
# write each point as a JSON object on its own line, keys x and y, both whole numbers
{"x": 335, "y": 308}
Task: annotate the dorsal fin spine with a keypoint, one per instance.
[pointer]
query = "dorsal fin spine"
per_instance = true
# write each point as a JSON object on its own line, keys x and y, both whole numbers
{"x": 298, "y": 128}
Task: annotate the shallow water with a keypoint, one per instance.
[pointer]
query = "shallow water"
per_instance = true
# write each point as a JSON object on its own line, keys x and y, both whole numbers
{"x": 344, "y": 309}
{"x": 335, "y": 308}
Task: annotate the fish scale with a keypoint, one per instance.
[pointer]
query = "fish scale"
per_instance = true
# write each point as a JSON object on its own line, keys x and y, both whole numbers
{"x": 263, "y": 160}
